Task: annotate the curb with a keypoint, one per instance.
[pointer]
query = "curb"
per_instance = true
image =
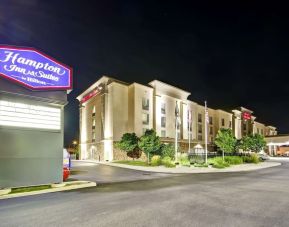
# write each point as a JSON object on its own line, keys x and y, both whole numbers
{"x": 68, "y": 186}
{"x": 193, "y": 171}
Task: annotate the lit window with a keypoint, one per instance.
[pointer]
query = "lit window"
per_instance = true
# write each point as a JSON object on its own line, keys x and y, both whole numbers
{"x": 163, "y": 108}
{"x": 93, "y": 111}
{"x": 145, "y": 118}
{"x": 145, "y": 104}
{"x": 163, "y": 122}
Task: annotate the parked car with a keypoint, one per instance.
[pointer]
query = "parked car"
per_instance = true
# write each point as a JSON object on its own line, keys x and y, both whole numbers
{"x": 263, "y": 157}
{"x": 66, "y": 164}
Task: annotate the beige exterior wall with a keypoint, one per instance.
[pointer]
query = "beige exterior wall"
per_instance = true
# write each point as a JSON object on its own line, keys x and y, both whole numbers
{"x": 259, "y": 128}
{"x": 119, "y": 108}
{"x": 140, "y": 92}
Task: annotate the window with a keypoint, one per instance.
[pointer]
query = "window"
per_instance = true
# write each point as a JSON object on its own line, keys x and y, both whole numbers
{"x": 93, "y": 137}
{"x": 245, "y": 126}
{"x": 145, "y": 118}
{"x": 93, "y": 111}
{"x": 230, "y": 124}
{"x": 200, "y": 118}
{"x": 163, "y": 133}
{"x": 163, "y": 122}
{"x": 200, "y": 128}
{"x": 200, "y": 137}
{"x": 223, "y": 122}
{"x": 211, "y": 130}
{"x": 145, "y": 104}
{"x": 189, "y": 126}
{"x": 163, "y": 108}
{"x": 210, "y": 120}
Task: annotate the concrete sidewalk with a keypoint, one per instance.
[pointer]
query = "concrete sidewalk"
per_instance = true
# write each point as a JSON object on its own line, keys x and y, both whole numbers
{"x": 182, "y": 169}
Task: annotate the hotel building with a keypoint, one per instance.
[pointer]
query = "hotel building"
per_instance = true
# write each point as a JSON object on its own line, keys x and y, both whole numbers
{"x": 109, "y": 108}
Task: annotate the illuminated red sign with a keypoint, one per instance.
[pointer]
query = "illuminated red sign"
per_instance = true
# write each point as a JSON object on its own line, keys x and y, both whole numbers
{"x": 246, "y": 116}
{"x": 89, "y": 96}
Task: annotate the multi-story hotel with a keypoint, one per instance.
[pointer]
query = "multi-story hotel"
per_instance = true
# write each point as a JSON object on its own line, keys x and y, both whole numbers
{"x": 109, "y": 108}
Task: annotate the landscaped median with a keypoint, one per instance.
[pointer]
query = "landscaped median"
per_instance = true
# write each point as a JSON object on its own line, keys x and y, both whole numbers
{"x": 41, "y": 189}
{"x": 231, "y": 164}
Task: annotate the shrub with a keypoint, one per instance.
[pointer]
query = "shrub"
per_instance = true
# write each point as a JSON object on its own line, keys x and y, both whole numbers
{"x": 201, "y": 165}
{"x": 167, "y": 162}
{"x": 195, "y": 159}
{"x": 234, "y": 160}
{"x": 184, "y": 160}
{"x": 217, "y": 162}
{"x": 156, "y": 160}
{"x": 252, "y": 158}
{"x": 168, "y": 150}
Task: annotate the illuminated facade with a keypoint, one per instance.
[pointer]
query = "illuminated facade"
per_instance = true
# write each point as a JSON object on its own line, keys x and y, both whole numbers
{"x": 109, "y": 108}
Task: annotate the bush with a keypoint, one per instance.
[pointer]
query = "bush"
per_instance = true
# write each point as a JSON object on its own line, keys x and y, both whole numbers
{"x": 156, "y": 160}
{"x": 217, "y": 162}
{"x": 167, "y": 162}
{"x": 233, "y": 160}
{"x": 201, "y": 165}
{"x": 168, "y": 150}
{"x": 184, "y": 160}
{"x": 252, "y": 158}
{"x": 195, "y": 159}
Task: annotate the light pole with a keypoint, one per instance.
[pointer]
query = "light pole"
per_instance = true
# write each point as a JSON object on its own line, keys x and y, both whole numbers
{"x": 176, "y": 135}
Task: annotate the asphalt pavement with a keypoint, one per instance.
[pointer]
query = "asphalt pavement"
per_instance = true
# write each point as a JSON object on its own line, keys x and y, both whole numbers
{"x": 257, "y": 198}
{"x": 98, "y": 173}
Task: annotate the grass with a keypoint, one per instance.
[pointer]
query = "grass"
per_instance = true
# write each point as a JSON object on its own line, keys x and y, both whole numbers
{"x": 29, "y": 189}
{"x": 133, "y": 163}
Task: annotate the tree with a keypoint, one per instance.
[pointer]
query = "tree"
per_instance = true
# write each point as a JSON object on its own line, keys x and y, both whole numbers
{"x": 129, "y": 144}
{"x": 246, "y": 143}
{"x": 225, "y": 141}
{"x": 150, "y": 143}
{"x": 168, "y": 150}
{"x": 257, "y": 143}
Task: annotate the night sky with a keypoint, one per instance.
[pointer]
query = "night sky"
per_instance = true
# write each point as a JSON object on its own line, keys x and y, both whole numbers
{"x": 231, "y": 54}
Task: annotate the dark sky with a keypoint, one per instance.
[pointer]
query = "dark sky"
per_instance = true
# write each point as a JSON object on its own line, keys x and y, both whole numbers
{"x": 230, "y": 54}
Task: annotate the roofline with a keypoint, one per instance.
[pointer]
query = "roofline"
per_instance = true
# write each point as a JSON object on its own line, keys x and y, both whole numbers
{"x": 150, "y": 83}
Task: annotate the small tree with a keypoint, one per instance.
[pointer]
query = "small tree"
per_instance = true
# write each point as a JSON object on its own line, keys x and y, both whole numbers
{"x": 168, "y": 150}
{"x": 225, "y": 141}
{"x": 245, "y": 144}
{"x": 257, "y": 143}
{"x": 150, "y": 143}
{"x": 129, "y": 144}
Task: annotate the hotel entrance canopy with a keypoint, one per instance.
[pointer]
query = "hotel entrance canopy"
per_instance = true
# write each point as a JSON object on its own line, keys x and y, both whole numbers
{"x": 278, "y": 140}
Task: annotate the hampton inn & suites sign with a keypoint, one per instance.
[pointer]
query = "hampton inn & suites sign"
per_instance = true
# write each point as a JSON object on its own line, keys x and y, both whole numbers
{"x": 33, "y": 69}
